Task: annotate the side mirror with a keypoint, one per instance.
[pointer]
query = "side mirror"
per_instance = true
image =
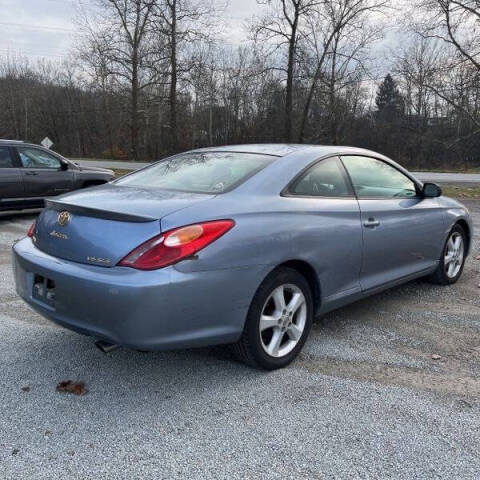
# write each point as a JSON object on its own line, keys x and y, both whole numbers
{"x": 64, "y": 166}
{"x": 431, "y": 190}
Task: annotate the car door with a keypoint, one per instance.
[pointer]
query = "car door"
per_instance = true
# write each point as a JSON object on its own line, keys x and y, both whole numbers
{"x": 43, "y": 173}
{"x": 11, "y": 185}
{"x": 402, "y": 230}
{"x": 327, "y": 209}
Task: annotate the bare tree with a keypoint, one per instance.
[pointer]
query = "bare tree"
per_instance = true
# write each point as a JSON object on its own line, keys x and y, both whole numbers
{"x": 456, "y": 25}
{"x": 283, "y": 27}
{"x": 150, "y": 80}
{"x": 416, "y": 67}
{"x": 117, "y": 44}
{"x": 339, "y": 31}
{"x": 180, "y": 23}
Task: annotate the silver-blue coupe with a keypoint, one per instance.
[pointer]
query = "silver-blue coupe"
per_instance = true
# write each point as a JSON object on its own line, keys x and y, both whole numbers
{"x": 240, "y": 245}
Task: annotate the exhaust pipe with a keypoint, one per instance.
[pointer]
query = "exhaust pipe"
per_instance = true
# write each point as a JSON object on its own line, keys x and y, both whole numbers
{"x": 106, "y": 347}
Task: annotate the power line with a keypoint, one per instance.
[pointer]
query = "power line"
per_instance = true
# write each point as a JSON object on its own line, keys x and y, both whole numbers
{"x": 39, "y": 27}
{"x": 35, "y": 54}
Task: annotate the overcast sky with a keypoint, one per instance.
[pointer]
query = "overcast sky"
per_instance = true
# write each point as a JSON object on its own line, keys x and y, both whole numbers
{"x": 46, "y": 28}
{"x": 38, "y": 28}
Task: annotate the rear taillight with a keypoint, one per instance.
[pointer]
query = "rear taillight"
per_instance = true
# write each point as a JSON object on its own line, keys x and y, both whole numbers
{"x": 175, "y": 245}
{"x": 31, "y": 230}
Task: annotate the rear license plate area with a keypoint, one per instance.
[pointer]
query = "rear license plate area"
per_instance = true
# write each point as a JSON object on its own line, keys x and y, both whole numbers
{"x": 44, "y": 290}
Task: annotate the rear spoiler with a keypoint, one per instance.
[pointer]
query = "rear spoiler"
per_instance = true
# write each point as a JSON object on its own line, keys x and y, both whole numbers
{"x": 98, "y": 213}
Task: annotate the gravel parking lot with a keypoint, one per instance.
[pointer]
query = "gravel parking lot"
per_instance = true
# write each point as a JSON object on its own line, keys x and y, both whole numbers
{"x": 386, "y": 388}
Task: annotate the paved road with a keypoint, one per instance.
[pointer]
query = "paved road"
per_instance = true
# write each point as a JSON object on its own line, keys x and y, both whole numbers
{"x": 450, "y": 178}
{"x": 446, "y": 178}
{"x": 364, "y": 400}
{"x": 111, "y": 164}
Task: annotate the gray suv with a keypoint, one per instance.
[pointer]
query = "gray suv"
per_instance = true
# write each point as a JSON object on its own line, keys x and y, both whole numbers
{"x": 29, "y": 173}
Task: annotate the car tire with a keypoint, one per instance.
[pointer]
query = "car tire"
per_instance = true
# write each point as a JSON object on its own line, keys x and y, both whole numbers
{"x": 448, "y": 272}
{"x": 275, "y": 332}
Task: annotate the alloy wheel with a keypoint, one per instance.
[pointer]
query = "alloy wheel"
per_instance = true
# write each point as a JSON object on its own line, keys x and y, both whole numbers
{"x": 454, "y": 254}
{"x": 283, "y": 320}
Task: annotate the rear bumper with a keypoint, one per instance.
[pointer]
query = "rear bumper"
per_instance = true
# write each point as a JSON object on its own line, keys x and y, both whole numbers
{"x": 161, "y": 309}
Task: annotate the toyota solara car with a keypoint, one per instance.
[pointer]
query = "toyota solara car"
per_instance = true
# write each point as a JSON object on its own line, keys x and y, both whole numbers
{"x": 238, "y": 245}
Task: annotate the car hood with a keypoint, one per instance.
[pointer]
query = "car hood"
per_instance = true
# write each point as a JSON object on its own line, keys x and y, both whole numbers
{"x": 105, "y": 223}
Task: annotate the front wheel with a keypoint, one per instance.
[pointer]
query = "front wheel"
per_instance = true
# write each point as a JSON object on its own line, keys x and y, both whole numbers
{"x": 278, "y": 321}
{"x": 450, "y": 265}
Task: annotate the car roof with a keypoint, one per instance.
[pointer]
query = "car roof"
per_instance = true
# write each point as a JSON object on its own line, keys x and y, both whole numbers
{"x": 284, "y": 149}
{"x": 275, "y": 149}
{"x": 14, "y": 143}
{"x": 3, "y": 141}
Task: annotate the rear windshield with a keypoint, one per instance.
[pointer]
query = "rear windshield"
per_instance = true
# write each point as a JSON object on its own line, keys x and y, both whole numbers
{"x": 203, "y": 172}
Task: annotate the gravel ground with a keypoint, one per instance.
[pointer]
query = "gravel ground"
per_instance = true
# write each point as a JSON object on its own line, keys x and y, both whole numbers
{"x": 365, "y": 399}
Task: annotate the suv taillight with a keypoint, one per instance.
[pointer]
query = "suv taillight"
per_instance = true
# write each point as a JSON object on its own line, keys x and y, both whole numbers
{"x": 175, "y": 245}
{"x": 31, "y": 230}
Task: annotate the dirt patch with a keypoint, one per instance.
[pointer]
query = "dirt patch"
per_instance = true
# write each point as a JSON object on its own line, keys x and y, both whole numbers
{"x": 422, "y": 345}
{"x": 5, "y": 257}
{"x": 449, "y": 382}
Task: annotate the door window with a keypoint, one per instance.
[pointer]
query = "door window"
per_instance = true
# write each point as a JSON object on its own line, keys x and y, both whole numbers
{"x": 6, "y": 160}
{"x": 36, "y": 158}
{"x": 373, "y": 178}
{"x": 324, "y": 179}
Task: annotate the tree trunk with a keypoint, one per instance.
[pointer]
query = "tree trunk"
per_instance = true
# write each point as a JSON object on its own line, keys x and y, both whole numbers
{"x": 289, "y": 89}
{"x": 174, "y": 78}
{"x": 306, "y": 110}
{"x": 134, "y": 107}
{"x": 308, "y": 103}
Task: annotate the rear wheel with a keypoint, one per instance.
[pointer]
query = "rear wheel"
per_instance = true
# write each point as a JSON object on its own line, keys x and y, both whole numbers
{"x": 450, "y": 265}
{"x": 278, "y": 322}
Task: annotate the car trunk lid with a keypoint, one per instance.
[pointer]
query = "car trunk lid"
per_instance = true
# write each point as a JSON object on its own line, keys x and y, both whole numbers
{"x": 100, "y": 226}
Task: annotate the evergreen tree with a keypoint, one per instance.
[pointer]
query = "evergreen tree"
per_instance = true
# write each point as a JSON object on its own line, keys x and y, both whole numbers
{"x": 389, "y": 100}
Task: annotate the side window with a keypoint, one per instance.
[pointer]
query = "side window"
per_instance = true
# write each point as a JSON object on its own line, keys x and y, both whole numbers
{"x": 373, "y": 178}
{"x": 6, "y": 160}
{"x": 36, "y": 158}
{"x": 324, "y": 179}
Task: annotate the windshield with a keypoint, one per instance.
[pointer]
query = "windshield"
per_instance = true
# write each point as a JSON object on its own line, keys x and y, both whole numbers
{"x": 202, "y": 172}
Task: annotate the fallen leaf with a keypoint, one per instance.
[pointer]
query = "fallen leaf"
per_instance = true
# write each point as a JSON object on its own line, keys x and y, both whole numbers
{"x": 436, "y": 357}
{"x": 26, "y": 388}
{"x": 15, "y": 451}
{"x": 71, "y": 452}
{"x": 76, "y": 388}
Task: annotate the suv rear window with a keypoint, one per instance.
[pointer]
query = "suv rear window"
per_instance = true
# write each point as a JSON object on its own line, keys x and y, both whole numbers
{"x": 202, "y": 172}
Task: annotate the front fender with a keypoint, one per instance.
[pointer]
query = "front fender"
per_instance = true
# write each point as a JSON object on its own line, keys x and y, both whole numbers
{"x": 456, "y": 212}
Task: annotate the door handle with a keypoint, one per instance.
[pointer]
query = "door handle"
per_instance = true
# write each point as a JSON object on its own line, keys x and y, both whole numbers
{"x": 31, "y": 173}
{"x": 371, "y": 223}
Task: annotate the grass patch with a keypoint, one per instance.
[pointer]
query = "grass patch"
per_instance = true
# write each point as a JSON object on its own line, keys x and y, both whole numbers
{"x": 120, "y": 172}
{"x": 446, "y": 170}
{"x": 461, "y": 192}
